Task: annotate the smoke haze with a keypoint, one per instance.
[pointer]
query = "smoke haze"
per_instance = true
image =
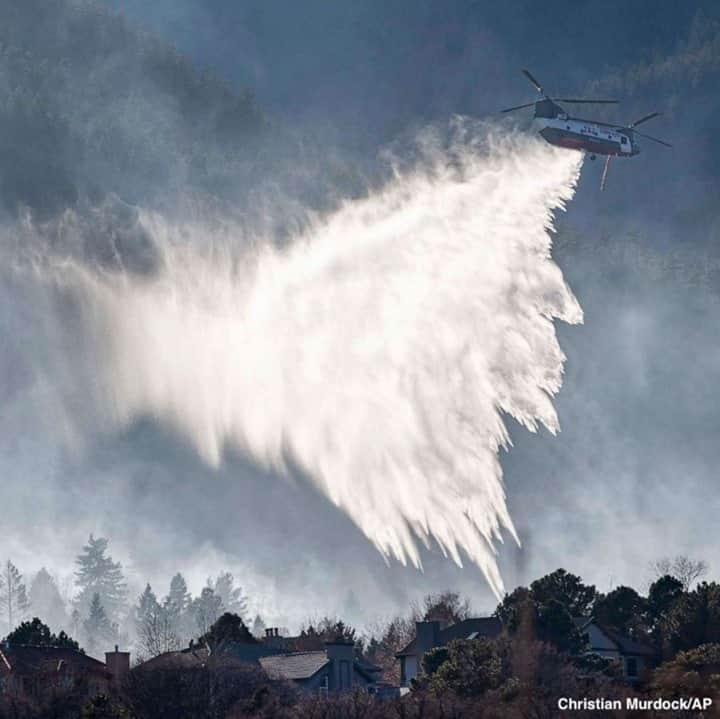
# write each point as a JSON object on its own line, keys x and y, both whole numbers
{"x": 377, "y": 352}
{"x": 130, "y": 169}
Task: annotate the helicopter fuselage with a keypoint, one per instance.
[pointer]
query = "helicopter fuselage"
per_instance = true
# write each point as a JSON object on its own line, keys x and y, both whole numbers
{"x": 558, "y": 128}
{"x": 596, "y": 138}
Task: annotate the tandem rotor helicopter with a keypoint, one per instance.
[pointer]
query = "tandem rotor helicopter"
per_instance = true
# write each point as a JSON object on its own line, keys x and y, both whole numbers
{"x": 590, "y": 136}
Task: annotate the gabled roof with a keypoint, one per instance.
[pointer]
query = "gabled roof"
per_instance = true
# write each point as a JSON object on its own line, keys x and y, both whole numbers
{"x": 625, "y": 645}
{"x": 31, "y": 659}
{"x": 182, "y": 659}
{"x": 582, "y": 622}
{"x": 296, "y": 666}
{"x": 368, "y": 670}
{"x": 466, "y": 629}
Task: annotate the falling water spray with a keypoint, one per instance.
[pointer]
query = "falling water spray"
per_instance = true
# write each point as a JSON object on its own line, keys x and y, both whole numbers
{"x": 379, "y": 351}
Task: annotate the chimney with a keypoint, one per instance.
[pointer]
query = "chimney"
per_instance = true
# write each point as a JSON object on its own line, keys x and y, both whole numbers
{"x": 342, "y": 661}
{"x": 273, "y": 638}
{"x": 427, "y": 635}
{"x": 118, "y": 664}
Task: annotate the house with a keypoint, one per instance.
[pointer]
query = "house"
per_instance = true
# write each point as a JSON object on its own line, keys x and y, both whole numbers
{"x": 332, "y": 669}
{"x": 429, "y": 635}
{"x": 634, "y": 657}
{"x": 33, "y": 672}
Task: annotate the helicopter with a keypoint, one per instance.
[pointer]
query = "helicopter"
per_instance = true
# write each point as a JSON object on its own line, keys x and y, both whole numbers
{"x": 590, "y": 136}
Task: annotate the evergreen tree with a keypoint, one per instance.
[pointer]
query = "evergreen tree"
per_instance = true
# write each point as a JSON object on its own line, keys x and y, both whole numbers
{"x": 567, "y": 589}
{"x": 230, "y": 595}
{"x": 177, "y": 608}
{"x": 97, "y": 573}
{"x": 13, "y": 596}
{"x": 206, "y": 609}
{"x": 99, "y": 630}
{"x": 38, "y": 634}
{"x": 147, "y": 606}
{"x": 228, "y": 631}
{"x": 45, "y": 599}
{"x": 75, "y": 622}
{"x": 258, "y": 627}
{"x": 314, "y": 636}
{"x": 178, "y": 599}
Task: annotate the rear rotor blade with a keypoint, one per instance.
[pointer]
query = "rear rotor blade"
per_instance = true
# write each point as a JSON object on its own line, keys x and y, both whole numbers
{"x": 644, "y": 119}
{"x": 518, "y": 107}
{"x": 654, "y": 139}
{"x": 537, "y": 85}
{"x": 587, "y": 102}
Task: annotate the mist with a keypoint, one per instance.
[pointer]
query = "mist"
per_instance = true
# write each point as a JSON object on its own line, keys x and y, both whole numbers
{"x": 376, "y": 353}
{"x": 219, "y": 190}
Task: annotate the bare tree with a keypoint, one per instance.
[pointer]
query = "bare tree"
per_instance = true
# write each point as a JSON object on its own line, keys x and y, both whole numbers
{"x": 446, "y": 607}
{"x": 385, "y": 640}
{"x": 156, "y": 633}
{"x": 685, "y": 570}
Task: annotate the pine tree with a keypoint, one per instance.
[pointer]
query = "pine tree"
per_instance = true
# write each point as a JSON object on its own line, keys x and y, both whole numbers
{"x": 99, "y": 630}
{"x": 75, "y": 622}
{"x": 177, "y": 608}
{"x": 39, "y": 634}
{"x": 13, "y": 596}
{"x": 206, "y": 609}
{"x": 231, "y": 596}
{"x": 97, "y": 573}
{"x": 46, "y": 601}
{"x": 178, "y": 598}
{"x": 147, "y": 606}
{"x": 258, "y": 627}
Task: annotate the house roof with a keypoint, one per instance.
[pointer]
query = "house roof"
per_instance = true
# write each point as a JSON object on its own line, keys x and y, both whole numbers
{"x": 368, "y": 670}
{"x": 31, "y": 659}
{"x": 296, "y": 666}
{"x": 466, "y": 629}
{"x": 625, "y": 644}
{"x": 183, "y": 659}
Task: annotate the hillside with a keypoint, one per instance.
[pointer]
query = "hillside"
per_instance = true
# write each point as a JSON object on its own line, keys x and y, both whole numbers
{"x": 90, "y": 106}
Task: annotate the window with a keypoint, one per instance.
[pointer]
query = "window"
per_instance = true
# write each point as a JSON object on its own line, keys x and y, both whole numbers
{"x": 631, "y": 667}
{"x": 623, "y": 140}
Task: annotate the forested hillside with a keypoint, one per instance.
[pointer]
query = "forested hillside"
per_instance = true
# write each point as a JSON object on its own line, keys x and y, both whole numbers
{"x": 89, "y": 106}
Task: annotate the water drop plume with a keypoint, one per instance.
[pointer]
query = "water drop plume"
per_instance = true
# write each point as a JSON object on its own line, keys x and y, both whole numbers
{"x": 379, "y": 350}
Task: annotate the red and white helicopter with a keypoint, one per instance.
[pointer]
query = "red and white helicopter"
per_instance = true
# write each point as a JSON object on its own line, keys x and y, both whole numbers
{"x": 591, "y": 136}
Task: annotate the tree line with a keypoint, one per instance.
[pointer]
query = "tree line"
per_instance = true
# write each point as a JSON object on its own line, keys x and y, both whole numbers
{"x": 540, "y": 655}
{"x": 101, "y": 614}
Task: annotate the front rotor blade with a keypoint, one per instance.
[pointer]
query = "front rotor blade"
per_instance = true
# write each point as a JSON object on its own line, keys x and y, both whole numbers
{"x": 644, "y": 119}
{"x": 587, "y": 102}
{"x": 518, "y": 107}
{"x": 537, "y": 85}
{"x": 654, "y": 139}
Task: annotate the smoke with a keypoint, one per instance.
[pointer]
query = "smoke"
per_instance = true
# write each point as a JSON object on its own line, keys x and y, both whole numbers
{"x": 377, "y": 352}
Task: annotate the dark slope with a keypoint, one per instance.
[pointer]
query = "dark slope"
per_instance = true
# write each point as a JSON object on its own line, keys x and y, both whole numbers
{"x": 89, "y": 107}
